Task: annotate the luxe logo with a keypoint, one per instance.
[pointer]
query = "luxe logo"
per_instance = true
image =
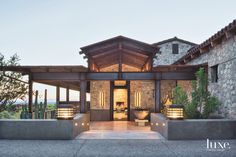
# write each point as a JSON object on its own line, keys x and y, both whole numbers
{"x": 217, "y": 145}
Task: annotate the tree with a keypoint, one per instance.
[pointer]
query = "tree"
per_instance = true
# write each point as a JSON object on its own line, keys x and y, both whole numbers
{"x": 203, "y": 103}
{"x": 11, "y": 89}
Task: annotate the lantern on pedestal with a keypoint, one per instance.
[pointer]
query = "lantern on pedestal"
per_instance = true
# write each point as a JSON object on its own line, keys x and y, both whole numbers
{"x": 175, "y": 112}
{"x": 65, "y": 111}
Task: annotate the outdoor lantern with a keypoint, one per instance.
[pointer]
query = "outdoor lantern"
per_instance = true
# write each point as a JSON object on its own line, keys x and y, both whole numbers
{"x": 175, "y": 112}
{"x": 65, "y": 111}
{"x": 137, "y": 99}
{"x": 102, "y": 98}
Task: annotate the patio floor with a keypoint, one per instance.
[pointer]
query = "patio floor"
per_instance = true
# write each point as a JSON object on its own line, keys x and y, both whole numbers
{"x": 118, "y": 130}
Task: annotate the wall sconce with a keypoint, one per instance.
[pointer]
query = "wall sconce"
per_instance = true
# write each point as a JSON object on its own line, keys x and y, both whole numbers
{"x": 102, "y": 98}
{"x": 137, "y": 99}
{"x": 65, "y": 111}
{"x": 175, "y": 112}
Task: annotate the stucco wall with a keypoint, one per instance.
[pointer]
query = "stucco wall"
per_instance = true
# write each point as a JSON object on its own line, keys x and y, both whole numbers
{"x": 166, "y": 57}
{"x": 225, "y": 89}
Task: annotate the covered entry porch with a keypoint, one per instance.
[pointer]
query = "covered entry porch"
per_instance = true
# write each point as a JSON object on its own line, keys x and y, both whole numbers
{"x": 82, "y": 81}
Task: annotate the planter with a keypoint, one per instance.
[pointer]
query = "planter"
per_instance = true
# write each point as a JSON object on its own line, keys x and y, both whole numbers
{"x": 141, "y": 113}
{"x": 193, "y": 129}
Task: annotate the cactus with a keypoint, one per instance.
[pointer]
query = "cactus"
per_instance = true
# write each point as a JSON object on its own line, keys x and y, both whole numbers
{"x": 45, "y": 101}
{"x": 41, "y": 112}
{"x": 40, "y": 108}
{"x": 25, "y": 113}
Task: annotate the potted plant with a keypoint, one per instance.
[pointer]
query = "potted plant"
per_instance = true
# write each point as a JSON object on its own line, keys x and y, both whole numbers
{"x": 141, "y": 113}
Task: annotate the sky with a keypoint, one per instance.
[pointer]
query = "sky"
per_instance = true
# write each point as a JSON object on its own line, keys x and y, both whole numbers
{"x": 51, "y": 32}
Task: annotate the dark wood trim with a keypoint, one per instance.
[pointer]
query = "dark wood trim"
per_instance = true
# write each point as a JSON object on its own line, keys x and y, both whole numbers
{"x": 37, "y": 77}
{"x": 30, "y": 92}
{"x": 83, "y": 89}
{"x": 57, "y": 95}
{"x": 128, "y": 97}
{"x": 67, "y": 94}
{"x": 111, "y": 99}
{"x": 158, "y": 96}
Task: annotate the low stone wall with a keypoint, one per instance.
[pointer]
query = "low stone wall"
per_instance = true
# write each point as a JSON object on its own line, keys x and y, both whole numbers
{"x": 193, "y": 129}
{"x": 47, "y": 129}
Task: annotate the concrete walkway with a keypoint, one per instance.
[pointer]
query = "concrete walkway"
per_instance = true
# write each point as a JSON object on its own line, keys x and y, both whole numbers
{"x": 110, "y": 148}
{"x": 118, "y": 130}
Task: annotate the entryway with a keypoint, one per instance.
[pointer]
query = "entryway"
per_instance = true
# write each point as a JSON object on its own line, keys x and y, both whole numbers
{"x": 118, "y": 130}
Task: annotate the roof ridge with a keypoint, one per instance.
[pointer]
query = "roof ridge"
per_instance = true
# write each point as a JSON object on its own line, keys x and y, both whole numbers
{"x": 173, "y": 39}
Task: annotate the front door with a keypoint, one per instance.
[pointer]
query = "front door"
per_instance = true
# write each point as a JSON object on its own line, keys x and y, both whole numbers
{"x": 120, "y": 100}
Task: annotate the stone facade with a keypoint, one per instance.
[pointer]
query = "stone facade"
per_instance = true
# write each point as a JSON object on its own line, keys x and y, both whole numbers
{"x": 186, "y": 85}
{"x": 167, "y": 87}
{"x": 166, "y": 57}
{"x": 95, "y": 88}
{"x": 147, "y": 93}
{"x": 223, "y": 55}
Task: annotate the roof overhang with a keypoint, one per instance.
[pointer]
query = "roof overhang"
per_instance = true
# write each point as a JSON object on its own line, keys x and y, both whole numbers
{"x": 119, "y": 50}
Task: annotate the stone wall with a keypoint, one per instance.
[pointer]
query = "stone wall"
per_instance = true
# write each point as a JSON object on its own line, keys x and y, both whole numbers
{"x": 167, "y": 87}
{"x": 166, "y": 57}
{"x": 147, "y": 93}
{"x": 186, "y": 86}
{"x": 223, "y": 55}
{"x": 95, "y": 88}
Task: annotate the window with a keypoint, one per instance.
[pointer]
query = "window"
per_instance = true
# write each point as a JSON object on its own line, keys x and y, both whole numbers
{"x": 175, "y": 48}
{"x": 214, "y": 74}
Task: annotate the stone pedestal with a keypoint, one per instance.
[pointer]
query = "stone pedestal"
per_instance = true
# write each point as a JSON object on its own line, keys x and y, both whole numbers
{"x": 139, "y": 122}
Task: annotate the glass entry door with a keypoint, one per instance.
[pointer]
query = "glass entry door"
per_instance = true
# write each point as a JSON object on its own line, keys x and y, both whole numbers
{"x": 120, "y": 104}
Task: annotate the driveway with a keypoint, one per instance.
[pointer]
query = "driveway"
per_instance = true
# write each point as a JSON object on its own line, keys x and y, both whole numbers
{"x": 111, "y": 148}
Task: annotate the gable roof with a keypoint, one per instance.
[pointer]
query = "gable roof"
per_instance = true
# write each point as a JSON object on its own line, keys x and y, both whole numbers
{"x": 119, "y": 50}
{"x": 224, "y": 34}
{"x": 174, "y": 39}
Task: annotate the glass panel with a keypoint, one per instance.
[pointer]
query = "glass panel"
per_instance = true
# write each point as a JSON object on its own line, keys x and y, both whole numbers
{"x": 120, "y": 111}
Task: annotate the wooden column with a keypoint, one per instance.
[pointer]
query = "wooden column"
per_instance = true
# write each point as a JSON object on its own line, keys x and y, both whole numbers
{"x": 57, "y": 95}
{"x": 158, "y": 96}
{"x": 128, "y": 97}
{"x": 67, "y": 95}
{"x": 83, "y": 88}
{"x": 30, "y": 92}
{"x": 111, "y": 99}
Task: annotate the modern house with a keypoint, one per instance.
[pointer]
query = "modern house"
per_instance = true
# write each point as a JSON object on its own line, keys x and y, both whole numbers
{"x": 124, "y": 74}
